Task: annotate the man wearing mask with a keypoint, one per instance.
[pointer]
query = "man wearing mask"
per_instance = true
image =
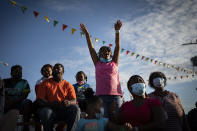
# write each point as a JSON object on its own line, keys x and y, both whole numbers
{"x": 57, "y": 100}
{"x": 16, "y": 92}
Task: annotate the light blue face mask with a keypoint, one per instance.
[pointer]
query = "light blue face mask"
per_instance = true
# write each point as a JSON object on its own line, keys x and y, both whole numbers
{"x": 105, "y": 60}
{"x": 159, "y": 82}
{"x": 139, "y": 89}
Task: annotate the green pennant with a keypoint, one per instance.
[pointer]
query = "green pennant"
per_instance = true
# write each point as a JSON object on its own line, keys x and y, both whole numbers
{"x": 122, "y": 50}
{"x": 82, "y": 34}
{"x": 55, "y": 23}
{"x": 164, "y": 64}
{"x": 151, "y": 60}
{"x": 23, "y": 8}
{"x": 175, "y": 77}
{"x": 137, "y": 56}
{"x": 103, "y": 42}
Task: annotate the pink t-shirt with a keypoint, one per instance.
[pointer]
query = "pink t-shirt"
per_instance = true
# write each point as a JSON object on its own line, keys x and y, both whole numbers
{"x": 137, "y": 116}
{"x": 107, "y": 79}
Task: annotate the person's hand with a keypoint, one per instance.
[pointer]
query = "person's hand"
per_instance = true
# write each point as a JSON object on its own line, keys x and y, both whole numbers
{"x": 83, "y": 28}
{"x": 67, "y": 103}
{"x": 118, "y": 25}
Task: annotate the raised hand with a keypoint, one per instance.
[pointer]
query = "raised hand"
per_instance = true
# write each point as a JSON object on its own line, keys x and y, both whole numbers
{"x": 118, "y": 25}
{"x": 83, "y": 28}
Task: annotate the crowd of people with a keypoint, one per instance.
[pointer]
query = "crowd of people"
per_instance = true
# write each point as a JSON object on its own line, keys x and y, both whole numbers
{"x": 77, "y": 108}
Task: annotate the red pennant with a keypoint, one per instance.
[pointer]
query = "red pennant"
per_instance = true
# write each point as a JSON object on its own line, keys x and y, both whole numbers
{"x": 142, "y": 57}
{"x": 64, "y": 27}
{"x": 110, "y": 45}
{"x": 181, "y": 77}
{"x": 35, "y": 13}
{"x": 127, "y": 52}
{"x": 155, "y": 61}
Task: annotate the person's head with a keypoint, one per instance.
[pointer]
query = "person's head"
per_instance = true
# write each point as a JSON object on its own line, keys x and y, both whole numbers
{"x": 58, "y": 71}
{"x": 81, "y": 77}
{"x": 136, "y": 86}
{"x": 88, "y": 93}
{"x": 157, "y": 80}
{"x": 94, "y": 105}
{"x": 196, "y": 104}
{"x": 16, "y": 72}
{"x": 46, "y": 70}
{"x": 105, "y": 52}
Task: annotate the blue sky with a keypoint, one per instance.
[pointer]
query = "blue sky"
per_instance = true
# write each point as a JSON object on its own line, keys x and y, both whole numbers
{"x": 154, "y": 28}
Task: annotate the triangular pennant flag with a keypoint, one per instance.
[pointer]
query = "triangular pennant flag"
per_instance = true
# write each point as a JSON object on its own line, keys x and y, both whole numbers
{"x": 146, "y": 59}
{"x": 169, "y": 78}
{"x": 122, "y": 50}
{"x": 151, "y": 60}
{"x": 127, "y": 52}
{"x": 187, "y": 76}
{"x": 103, "y": 42}
{"x": 168, "y": 66}
{"x": 133, "y": 53}
{"x": 64, "y": 27}
{"x": 181, "y": 69}
{"x": 35, "y": 13}
{"x": 13, "y": 2}
{"x": 196, "y": 72}
{"x": 160, "y": 63}
{"x": 181, "y": 77}
{"x": 47, "y": 19}
{"x": 96, "y": 40}
{"x": 192, "y": 75}
{"x": 184, "y": 70}
{"x": 175, "y": 77}
{"x": 82, "y": 33}
{"x": 23, "y": 8}
{"x": 137, "y": 56}
{"x": 142, "y": 57}
{"x": 172, "y": 66}
{"x": 164, "y": 64}
{"x": 110, "y": 45}
{"x": 177, "y": 68}
{"x": 155, "y": 61}
{"x": 55, "y": 23}
{"x": 73, "y": 31}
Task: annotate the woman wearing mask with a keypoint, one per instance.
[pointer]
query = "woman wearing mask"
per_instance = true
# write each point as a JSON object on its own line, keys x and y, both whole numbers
{"x": 176, "y": 120}
{"x": 142, "y": 113}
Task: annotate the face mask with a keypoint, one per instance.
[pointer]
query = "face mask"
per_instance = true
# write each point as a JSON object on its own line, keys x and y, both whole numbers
{"x": 80, "y": 82}
{"x": 101, "y": 114}
{"x": 104, "y": 60}
{"x": 158, "y": 82}
{"x": 139, "y": 89}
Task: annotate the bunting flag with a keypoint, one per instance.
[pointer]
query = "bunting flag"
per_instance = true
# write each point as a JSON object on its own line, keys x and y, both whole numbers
{"x": 82, "y": 34}
{"x": 103, "y": 42}
{"x": 13, "y": 2}
{"x": 151, "y": 60}
{"x": 35, "y": 13}
{"x": 4, "y": 63}
{"x": 164, "y": 64}
{"x": 127, "y": 52}
{"x": 64, "y": 27}
{"x": 155, "y": 61}
{"x": 122, "y": 50}
{"x": 23, "y": 8}
{"x": 181, "y": 77}
{"x": 187, "y": 76}
{"x": 47, "y": 19}
{"x": 168, "y": 66}
{"x": 160, "y": 63}
{"x": 142, "y": 57}
{"x": 137, "y": 56}
{"x": 55, "y": 23}
{"x": 73, "y": 31}
{"x": 146, "y": 59}
{"x": 110, "y": 45}
{"x": 133, "y": 53}
{"x": 175, "y": 77}
{"x": 96, "y": 40}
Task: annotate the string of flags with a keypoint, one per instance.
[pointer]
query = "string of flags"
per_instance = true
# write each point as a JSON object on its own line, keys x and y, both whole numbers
{"x": 4, "y": 63}
{"x": 96, "y": 40}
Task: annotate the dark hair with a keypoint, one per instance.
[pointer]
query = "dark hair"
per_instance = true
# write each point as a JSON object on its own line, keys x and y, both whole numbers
{"x": 16, "y": 67}
{"x": 45, "y": 66}
{"x": 154, "y": 75}
{"x": 58, "y": 64}
{"x": 81, "y": 72}
{"x": 104, "y": 48}
{"x": 134, "y": 79}
{"x": 88, "y": 93}
{"x": 93, "y": 100}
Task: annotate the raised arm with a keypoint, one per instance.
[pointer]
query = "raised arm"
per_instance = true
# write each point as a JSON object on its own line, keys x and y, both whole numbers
{"x": 116, "y": 55}
{"x": 90, "y": 44}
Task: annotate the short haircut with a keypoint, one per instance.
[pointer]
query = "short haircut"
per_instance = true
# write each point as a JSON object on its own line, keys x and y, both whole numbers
{"x": 104, "y": 48}
{"x": 154, "y": 75}
{"x": 58, "y": 64}
{"x": 81, "y": 72}
{"x": 16, "y": 67}
{"x": 134, "y": 79}
{"x": 45, "y": 66}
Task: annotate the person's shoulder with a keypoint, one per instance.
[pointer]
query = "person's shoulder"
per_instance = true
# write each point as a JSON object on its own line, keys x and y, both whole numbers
{"x": 153, "y": 101}
{"x": 24, "y": 80}
{"x": 7, "y": 80}
{"x": 126, "y": 104}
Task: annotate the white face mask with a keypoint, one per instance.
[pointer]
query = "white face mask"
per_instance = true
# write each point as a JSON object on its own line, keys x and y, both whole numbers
{"x": 158, "y": 82}
{"x": 139, "y": 89}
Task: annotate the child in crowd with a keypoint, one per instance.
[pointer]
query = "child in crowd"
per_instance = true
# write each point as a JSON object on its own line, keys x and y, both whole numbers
{"x": 106, "y": 70}
{"x": 80, "y": 87}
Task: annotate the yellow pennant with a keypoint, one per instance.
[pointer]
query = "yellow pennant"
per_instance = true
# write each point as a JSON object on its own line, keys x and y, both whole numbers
{"x": 47, "y": 19}
{"x": 13, "y": 2}
{"x": 73, "y": 31}
{"x": 133, "y": 53}
{"x": 96, "y": 40}
{"x": 146, "y": 59}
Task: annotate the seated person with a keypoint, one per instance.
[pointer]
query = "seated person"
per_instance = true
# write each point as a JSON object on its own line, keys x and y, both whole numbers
{"x": 16, "y": 92}
{"x": 57, "y": 100}
{"x": 80, "y": 87}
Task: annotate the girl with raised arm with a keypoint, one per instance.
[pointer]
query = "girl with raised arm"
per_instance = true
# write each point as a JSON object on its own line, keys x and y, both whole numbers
{"x": 106, "y": 70}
